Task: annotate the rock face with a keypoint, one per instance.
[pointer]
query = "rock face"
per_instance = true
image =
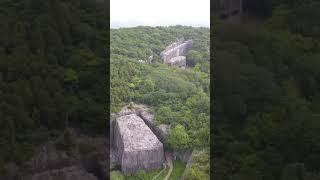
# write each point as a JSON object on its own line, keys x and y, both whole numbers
{"x": 179, "y": 61}
{"x": 162, "y": 131}
{"x": 174, "y": 54}
{"x": 136, "y": 146}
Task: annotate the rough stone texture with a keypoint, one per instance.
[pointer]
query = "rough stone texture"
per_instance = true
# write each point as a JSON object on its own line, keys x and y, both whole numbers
{"x": 174, "y": 50}
{"x": 147, "y": 117}
{"x": 162, "y": 131}
{"x": 67, "y": 173}
{"x": 136, "y": 145}
{"x": 179, "y": 61}
{"x": 126, "y": 110}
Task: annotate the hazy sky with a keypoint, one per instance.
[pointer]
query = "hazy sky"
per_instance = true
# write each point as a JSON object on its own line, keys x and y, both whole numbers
{"x": 127, "y": 13}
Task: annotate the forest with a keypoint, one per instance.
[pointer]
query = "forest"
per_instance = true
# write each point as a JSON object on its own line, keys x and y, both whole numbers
{"x": 266, "y": 75}
{"x": 50, "y": 53}
{"x": 266, "y": 89}
{"x": 179, "y": 97}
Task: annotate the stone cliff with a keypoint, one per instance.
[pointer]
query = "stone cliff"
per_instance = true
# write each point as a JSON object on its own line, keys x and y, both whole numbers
{"x": 174, "y": 54}
{"x": 136, "y": 142}
{"x": 136, "y": 145}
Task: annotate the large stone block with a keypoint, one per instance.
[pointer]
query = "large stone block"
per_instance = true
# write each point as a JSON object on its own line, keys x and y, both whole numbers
{"x": 175, "y": 53}
{"x": 136, "y": 145}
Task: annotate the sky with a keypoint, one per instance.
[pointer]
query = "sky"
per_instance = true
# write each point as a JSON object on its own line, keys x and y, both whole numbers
{"x": 130, "y": 13}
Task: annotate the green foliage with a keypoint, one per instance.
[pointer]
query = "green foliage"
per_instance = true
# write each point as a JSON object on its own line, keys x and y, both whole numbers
{"x": 46, "y": 72}
{"x": 178, "y": 96}
{"x": 70, "y": 76}
{"x": 194, "y": 173}
{"x": 141, "y": 175}
{"x": 117, "y": 175}
{"x": 164, "y": 115}
{"x": 267, "y": 88}
{"x": 178, "y": 169}
{"x": 178, "y": 138}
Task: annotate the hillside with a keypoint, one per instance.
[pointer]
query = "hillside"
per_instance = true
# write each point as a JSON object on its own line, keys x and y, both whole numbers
{"x": 179, "y": 97}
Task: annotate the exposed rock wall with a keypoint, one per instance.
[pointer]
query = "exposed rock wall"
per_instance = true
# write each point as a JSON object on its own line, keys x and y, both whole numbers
{"x": 174, "y": 50}
{"x": 161, "y": 131}
{"x": 179, "y": 61}
{"x": 132, "y": 161}
{"x": 118, "y": 142}
{"x": 136, "y": 146}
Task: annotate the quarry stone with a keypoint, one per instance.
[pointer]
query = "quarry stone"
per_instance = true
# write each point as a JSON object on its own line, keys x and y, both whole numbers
{"x": 174, "y": 54}
{"x": 179, "y": 61}
{"x": 137, "y": 147}
{"x": 162, "y": 131}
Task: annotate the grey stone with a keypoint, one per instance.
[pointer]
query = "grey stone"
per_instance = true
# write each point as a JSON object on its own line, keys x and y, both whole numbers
{"x": 179, "y": 61}
{"x": 174, "y": 50}
{"x": 162, "y": 131}
{"x": 147, "y": 117}
{"x": 136, "y": 145}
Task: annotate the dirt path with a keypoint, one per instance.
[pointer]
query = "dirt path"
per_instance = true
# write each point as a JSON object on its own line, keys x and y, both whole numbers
{"x": 156, "y": 176}
{"x": 169, "y": 161}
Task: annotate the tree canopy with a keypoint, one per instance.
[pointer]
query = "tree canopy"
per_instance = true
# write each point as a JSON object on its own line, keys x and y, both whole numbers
{"x": 266, "y": 96}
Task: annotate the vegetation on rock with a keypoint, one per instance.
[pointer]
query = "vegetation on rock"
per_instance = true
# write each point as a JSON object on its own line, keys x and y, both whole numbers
{"x": 180, "y": 97}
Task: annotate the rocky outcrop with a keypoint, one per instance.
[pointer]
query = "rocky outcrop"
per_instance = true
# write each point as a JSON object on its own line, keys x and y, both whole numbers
{"x": 135, "y": 145}
{"x": 147, "y": 115}
{"x": 162, "y": 131}
{"x": 179, "y": 61}
{"x": 174, "y": 54}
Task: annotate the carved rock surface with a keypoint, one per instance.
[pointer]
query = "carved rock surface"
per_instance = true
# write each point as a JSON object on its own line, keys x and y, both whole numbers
{"x": 162, "y": 131}
{"x": 178, "y": 49}
{"x": 179, "y": 61}
{"x": 136, "y": 145}
{"x": 147, "y": 117}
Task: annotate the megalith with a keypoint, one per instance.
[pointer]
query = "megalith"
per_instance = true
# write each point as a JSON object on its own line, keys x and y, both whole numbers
{"x": 136, "y": 145}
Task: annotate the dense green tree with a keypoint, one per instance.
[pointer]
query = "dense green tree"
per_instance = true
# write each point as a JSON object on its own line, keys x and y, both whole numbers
{"x": 266, "y": 87}
{"x": 40, "y": 78}
{"x": 178, "y": 138}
